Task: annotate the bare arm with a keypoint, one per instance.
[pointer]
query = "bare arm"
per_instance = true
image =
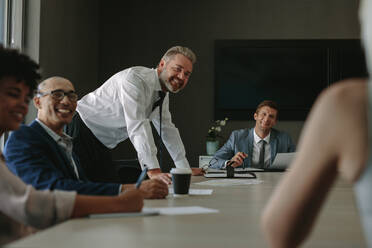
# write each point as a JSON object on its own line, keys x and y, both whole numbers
{"x": 130, "y": 201}
{"x": 334, "y": 140}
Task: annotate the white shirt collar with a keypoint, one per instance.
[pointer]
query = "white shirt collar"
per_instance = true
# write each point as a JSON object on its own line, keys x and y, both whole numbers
{"x": 52, "y": 134}
{"x": 258, "y": 139}
{"x": 157, "y": 86}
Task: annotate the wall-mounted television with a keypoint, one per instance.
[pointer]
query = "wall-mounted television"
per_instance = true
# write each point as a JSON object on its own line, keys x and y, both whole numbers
{"x": 289, "y": 72}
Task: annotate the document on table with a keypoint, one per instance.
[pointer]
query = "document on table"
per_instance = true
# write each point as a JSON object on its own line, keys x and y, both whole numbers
{"x": 184, "y": 210}
{"x": 144, "y": 212}
{"x": 157, "y": 211}
{"x": 196, "y": 191}
{"x": 230, "y": 182}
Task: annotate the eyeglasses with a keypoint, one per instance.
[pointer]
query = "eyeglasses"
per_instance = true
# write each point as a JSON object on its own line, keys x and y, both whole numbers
{"x": 60, "y": 94}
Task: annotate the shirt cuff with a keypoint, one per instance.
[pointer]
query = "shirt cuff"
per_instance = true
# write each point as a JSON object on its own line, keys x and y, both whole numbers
{"x": 120, "y": 188}
{"x": 151, "y": 162}
{"x": 182, "y": 163}
{"x": 65, "y": 201}
{"x": 225, "y": 164}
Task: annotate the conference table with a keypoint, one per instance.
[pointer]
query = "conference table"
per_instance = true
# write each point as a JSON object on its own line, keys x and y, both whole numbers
{"x": 235, "y": 225}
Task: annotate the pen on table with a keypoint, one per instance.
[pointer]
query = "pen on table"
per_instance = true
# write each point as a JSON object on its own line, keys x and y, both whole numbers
{"x": 141, "y": 177}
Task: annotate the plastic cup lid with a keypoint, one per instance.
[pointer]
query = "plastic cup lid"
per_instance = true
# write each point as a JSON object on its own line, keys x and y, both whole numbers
{"x": 180, "y": 171}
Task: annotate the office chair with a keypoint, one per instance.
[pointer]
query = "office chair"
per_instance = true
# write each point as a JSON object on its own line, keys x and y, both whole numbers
{"x": 128, "y": 170}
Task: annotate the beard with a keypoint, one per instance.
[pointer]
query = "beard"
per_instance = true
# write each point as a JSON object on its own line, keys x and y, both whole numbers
{"x": 163, "y": 77}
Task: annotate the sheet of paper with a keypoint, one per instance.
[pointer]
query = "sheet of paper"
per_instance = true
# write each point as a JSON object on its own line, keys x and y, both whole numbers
{"x": 184, "y": 210}
{"x": 144, "y": 212}
{"x": 230, "y": 182}
{"x": 196, "y": 191}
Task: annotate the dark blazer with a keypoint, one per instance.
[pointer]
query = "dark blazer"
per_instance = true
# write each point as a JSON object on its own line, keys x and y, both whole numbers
{"x": 242, "y": 141}
{"x": 33, "y": 155}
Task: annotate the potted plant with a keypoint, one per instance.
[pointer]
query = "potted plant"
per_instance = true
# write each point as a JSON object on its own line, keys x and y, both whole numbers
{"x": 213, "y": 135}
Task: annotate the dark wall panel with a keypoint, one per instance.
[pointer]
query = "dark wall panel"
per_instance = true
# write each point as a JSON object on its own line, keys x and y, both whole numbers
{"x": 139, "y": 32}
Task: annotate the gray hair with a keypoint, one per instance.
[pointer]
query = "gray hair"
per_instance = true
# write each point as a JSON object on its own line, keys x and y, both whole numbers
{"x": 180, "y": 50}
{"x": 41, "y": 87}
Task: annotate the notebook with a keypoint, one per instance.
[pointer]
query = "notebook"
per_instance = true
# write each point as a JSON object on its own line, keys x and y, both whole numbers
{"x": 281, "y": 163}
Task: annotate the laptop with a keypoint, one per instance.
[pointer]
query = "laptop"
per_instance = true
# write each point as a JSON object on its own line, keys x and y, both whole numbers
{"x": 282, "y": 161}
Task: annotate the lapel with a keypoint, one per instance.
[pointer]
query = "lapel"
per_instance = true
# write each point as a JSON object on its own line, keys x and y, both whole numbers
{"x": 273, "y": 144}
{"x": 82, "y": 175}
{"x": 250, "y": 146}
{"x": 56, "y": 151}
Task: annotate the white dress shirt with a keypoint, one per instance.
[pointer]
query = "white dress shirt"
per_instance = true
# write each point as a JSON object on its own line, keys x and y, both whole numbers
{"x": 122, "y": 108}
{"x": 33, "y": 207}
{"x": 256, "y": 149}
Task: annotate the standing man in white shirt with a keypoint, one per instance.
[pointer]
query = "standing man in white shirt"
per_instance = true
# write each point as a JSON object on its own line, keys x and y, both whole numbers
{"x": 123, "y": 108}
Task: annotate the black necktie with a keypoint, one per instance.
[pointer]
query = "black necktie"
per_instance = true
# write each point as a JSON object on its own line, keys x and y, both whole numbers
{"x": 159, "y": 103}
{"x": 261, "y": 161}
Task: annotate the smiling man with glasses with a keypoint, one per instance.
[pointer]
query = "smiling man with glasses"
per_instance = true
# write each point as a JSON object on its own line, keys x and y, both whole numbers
{"x": 56, "y": 102}
{"x": 41, "y": 153}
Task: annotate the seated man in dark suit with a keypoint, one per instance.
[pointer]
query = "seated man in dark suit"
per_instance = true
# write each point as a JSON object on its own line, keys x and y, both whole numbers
{"x": 258, "y": 146}
{"x": 41, "y": 153}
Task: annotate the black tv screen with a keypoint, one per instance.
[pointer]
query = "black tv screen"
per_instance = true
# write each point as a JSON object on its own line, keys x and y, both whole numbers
{"x": 289, "y": 72}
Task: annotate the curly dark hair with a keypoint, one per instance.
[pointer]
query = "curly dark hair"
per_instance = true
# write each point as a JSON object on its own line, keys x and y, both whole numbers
{"x": 19, "y": 66}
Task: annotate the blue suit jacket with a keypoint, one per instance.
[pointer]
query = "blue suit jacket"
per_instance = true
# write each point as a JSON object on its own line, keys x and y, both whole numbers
{"x": 242, "y": 141}
{"x": 38, "y": 160}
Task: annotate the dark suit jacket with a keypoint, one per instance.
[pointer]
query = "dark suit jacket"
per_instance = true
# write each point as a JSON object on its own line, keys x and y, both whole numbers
{"x": 242, "y": 141}
{"x": 33, "y": 155}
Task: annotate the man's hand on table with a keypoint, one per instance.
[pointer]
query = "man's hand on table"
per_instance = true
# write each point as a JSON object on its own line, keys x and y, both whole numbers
{"x": 238, "y": 159}
{"x": 197, "y": 171}
{"x": 166, "y": 177}
{"x": 150, "y": 189}
{"x": 157, "y": 174}
{"x": 154, "y": 189}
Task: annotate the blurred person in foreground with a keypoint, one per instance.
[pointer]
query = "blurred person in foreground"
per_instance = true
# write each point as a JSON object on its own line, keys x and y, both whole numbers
{"x": 335, "y": 142}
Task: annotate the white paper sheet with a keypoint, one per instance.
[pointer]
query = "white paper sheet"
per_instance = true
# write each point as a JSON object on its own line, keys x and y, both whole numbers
{"x": 230, "y": 182}
{"x": 184, "y": 210}
{"x": 196, "y": 191}
{"x": 144, "y": 212}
